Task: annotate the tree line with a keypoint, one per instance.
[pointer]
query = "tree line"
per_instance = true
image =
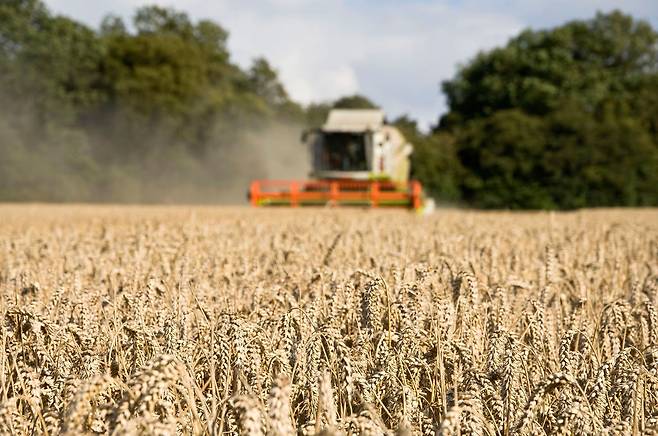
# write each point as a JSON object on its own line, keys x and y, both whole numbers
{"x": 560, "y": 118}
{"x": 158, "y": 111}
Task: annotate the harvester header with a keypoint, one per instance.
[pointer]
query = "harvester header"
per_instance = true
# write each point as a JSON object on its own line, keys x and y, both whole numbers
{"x": 357, "y": 160}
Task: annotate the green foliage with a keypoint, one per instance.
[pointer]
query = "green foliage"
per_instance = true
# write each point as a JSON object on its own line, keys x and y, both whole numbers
{"x": 48, "y": 64}
{"x": 264, "y": 82}
{"x": 562, "y": 118}
{"x": 434, "y": 160}
{"x": 316, "y": 114}
{"x": 559, "y": 118}
{"x": 355, "y": 101}
{"x": 120, "y": 115}
{"x": 536, "y": 71}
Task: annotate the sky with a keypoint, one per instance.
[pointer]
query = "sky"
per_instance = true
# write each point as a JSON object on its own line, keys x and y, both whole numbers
{"x": 396, "y": 52}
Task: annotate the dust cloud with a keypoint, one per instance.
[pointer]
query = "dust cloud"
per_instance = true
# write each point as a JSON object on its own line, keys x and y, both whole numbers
{"x": 275, "y": 152}
{"x": 99, "y": 162}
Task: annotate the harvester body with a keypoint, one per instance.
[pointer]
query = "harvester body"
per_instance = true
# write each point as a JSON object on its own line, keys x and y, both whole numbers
{"x": 357, "y": 159}
{"x": 358, "y": 145}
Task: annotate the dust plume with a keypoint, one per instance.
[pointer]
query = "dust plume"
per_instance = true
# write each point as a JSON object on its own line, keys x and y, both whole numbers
{"x": 274, "y": 152}
{"x": 102, "y": 161}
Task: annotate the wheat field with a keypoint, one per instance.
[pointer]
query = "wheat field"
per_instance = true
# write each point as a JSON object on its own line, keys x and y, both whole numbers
{"x": 193, "y": 320}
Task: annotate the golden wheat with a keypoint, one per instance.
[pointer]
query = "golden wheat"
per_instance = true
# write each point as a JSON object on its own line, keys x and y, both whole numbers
{"x": 173, "y": 320}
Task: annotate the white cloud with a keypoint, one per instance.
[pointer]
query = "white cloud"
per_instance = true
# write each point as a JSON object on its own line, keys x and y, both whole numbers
{"x": 396, "y": 52}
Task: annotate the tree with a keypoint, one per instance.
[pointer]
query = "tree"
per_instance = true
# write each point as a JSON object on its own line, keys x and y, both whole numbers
{"x": 264, "y": 82}
{"x": 537, "y": 70}
{"x": 355, "y": 101}
{"x": 113, "y": 25}
{"x": 502, "y": 154}
{"x": 48, "y": 65}
{"x": 556, "y": 116}
{"x": 154, "y": 113}
{"x": 434, "y": 160}
{"x": 316, "y": 114}
{"x": 173, "y": 76}
{"x": 155, "y": 19}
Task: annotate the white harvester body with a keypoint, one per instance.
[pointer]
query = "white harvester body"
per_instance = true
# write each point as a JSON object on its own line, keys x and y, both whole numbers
{"x": 357, "y": 144}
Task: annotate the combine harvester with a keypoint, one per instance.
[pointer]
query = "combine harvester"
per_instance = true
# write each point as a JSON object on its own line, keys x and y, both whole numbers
{"x": 358, "y": 160}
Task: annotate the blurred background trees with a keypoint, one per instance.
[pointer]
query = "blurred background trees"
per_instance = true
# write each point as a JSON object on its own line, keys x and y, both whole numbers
{"x": 559, "y": 118}
{"x": 158, "y": 111}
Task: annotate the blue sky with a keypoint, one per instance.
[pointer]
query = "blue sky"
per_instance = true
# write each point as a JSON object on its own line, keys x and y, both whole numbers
{"x": 396, "y": 52}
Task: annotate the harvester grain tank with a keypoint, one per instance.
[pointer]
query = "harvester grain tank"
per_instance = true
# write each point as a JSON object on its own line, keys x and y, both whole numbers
{"x": 357, "y": 159}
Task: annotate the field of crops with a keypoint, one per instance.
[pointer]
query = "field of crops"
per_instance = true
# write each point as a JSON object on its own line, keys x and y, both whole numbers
{"x": 144, "y": 320}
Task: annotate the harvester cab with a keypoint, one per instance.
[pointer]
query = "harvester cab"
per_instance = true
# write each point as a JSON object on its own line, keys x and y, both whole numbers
{"x": 357, "y": 159}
